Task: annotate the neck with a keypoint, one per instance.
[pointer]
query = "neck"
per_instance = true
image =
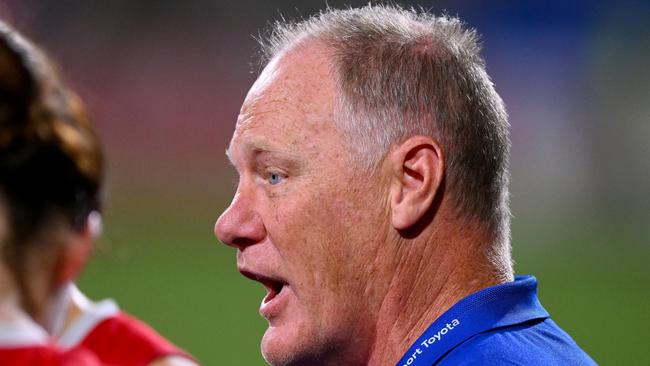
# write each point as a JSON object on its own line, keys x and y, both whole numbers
{"x": 429, "y": 278}
{"x": 11, "y": 310}
{"x": 9, "y": 299}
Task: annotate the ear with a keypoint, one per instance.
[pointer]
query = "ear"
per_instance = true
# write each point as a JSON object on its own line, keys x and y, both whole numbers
{"x": 74, "y": 254}
{"x": 417, "y": 167}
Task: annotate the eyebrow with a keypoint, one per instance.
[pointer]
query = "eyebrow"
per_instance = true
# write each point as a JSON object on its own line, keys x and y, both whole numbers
{"x": 258, "y": 151}
{"x": 229, "y": 155}
{"x": 265, "y": 153}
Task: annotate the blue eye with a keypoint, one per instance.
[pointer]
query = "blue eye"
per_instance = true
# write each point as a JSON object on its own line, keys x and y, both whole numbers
{"x": 274, "y": 178}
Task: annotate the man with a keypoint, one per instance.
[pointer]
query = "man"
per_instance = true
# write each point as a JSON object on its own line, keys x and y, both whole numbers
{"x": 373, "y": 201}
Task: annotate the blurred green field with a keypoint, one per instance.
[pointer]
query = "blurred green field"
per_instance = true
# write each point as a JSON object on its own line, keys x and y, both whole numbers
{"x": 164, "y": 266}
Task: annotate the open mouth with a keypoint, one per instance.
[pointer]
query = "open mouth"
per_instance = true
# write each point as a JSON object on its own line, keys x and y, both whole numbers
{"x": 273, "y": 285}
{"x": 273, "y": 289}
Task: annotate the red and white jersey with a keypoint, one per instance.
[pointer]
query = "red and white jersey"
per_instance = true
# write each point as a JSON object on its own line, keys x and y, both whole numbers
{"x": 24, "y": 343}
{"x": 115, "y": 337}
{"x": 47, "y": 355}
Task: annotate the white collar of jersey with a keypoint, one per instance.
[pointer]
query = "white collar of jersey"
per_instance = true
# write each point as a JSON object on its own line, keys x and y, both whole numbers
{"x": 19, "y": 330}
{"x": 57, "y": 311}
{"x": 92, "y": 314}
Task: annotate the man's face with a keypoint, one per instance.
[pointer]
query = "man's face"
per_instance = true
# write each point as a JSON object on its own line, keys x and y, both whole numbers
{"x": 306, "y": 223}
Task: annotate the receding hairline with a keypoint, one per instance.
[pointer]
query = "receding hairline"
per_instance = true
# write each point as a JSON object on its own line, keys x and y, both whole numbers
{"x": 379, "y": 53}
{"x": 414, "y": 21}
{"x": 262, "y": 102}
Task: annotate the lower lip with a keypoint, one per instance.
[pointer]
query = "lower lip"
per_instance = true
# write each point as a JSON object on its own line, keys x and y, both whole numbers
{"x": 271, "y": 308}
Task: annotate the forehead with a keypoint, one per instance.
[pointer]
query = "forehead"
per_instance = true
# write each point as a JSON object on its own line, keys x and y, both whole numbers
{"x": 290, "y": 105}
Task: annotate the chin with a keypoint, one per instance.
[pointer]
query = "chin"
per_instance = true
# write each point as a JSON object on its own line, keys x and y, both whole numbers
{"x": 284, "y": 346}
{"x": 277, "y": 348}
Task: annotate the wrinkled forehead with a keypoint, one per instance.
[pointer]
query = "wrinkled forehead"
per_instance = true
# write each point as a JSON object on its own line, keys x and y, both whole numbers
{"x": 291, "y": 101}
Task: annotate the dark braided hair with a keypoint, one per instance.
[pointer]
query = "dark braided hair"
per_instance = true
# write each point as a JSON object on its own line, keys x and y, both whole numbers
{"x": 51, "y": 163}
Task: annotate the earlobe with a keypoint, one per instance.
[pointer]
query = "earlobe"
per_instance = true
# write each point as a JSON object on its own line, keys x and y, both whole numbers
{"x": 418, "y": 167}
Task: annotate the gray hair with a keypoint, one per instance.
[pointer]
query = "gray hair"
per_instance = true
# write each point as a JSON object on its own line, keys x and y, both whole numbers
{"x": 405, "y": 72}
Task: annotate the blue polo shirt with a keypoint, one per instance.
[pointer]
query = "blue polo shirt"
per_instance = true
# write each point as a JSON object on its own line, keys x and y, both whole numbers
{"x": 500, "y": 325}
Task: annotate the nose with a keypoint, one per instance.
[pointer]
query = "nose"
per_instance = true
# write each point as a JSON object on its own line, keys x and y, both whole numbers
{"x": 240, "y": 225}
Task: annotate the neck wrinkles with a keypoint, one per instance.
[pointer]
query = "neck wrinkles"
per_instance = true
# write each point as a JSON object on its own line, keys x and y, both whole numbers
{"x": 429, "y": 278}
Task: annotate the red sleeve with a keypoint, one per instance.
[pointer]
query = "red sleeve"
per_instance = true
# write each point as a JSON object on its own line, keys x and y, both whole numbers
{"x": 126, "y": 341}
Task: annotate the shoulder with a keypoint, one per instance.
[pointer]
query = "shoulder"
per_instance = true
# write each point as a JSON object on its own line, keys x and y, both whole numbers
{"x": 123, "y": 337}
{"x": 128, "y": 328}
{"x": 124, "y": 328}
{"x": 528, "y": 344}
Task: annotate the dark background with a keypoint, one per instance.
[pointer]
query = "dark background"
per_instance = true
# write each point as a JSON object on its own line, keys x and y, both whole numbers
{"x": 164, "y": 81}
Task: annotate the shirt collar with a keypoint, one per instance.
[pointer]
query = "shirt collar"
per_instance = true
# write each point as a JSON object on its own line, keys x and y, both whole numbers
{"x": 498, "y": 306}
{"x": 17, "y": 329}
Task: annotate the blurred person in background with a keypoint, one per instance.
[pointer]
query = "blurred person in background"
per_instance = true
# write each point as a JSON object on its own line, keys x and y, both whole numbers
{"x": 32, "y": 171}
{"x": 51, "y": 174}
{"x": 372, "y": 204}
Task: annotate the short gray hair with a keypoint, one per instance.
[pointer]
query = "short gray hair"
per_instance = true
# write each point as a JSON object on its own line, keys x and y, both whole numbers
{"x": 405, "y": 72}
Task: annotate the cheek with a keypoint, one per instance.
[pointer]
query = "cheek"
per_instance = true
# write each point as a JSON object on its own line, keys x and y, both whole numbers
{"x": 322, "y": 228}
{"x": 311, "y": 229}
{"x": 324, "y": 239}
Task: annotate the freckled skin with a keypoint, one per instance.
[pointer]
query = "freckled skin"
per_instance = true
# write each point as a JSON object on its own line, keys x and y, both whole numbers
{"x": 319, "y": 228}
{"x": 369, "y": 261}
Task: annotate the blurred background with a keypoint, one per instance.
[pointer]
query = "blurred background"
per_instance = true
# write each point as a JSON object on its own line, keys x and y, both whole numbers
{"x": 164, "y": 81}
